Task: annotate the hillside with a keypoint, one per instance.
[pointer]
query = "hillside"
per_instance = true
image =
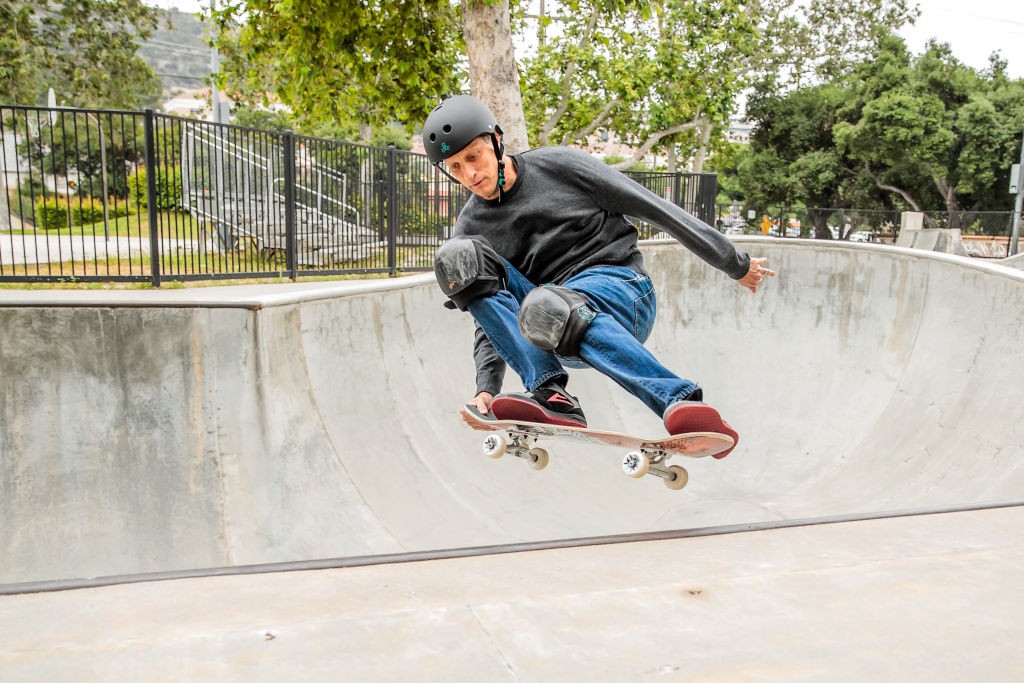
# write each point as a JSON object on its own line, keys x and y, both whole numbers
{"x": 178, "y": 51}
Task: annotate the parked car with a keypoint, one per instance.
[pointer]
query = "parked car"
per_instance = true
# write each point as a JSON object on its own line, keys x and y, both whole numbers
{"x": 732, "y": 225}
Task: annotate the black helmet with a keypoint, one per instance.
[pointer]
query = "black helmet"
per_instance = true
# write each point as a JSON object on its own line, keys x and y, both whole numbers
{"x": 455, "y": 123}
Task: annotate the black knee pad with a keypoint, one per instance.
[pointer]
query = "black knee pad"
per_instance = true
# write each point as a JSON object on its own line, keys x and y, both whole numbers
{"x": 555, "y": 318}
{"x": 467, "y": 268}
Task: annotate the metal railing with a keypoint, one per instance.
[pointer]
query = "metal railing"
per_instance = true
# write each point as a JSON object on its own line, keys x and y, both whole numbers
{"x": 104, "y": 195}
{"x": 809, "y": 222}
{"x": 694, "y": 192}
{"x": 855, "y": 224}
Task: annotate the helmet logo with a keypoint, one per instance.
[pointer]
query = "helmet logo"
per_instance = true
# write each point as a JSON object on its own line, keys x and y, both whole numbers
{"x": 445, "y": 147}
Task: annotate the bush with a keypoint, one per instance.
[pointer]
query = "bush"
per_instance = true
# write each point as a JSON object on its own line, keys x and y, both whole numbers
{"x": 168, "y": 188}
{"x": 52, "y": 213}
{"x": 90, "y": 210}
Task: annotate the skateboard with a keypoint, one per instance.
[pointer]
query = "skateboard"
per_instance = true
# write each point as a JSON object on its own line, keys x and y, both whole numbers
{"x": 645, "y": 456}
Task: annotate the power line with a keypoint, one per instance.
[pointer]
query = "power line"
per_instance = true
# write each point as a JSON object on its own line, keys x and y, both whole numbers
{"x": 183, "y": 77}
{"x": 177, "y": 47}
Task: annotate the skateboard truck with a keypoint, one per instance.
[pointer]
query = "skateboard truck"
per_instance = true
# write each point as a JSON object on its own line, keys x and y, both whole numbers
{"x": 518, "y": 444}
{"x": 646, "y": 461}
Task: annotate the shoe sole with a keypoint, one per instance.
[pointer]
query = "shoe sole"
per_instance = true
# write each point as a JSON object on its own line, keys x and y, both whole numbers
{"x": 510, "y": 408}
{"x": 700, "y": 417}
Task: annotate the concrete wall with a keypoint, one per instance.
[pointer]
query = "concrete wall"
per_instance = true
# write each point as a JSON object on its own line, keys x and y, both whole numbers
{"x": 166, "y": 430}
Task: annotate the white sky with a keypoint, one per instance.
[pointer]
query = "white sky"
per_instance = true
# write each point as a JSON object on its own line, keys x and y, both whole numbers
{"x": 974, "y": 29}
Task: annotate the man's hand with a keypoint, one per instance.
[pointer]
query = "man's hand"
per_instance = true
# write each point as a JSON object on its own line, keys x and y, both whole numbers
{"x": 481, "y": 402}
{"x": 756, "y": 274}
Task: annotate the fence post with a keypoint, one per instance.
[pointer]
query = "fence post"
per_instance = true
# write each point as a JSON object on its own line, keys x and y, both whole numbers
{"x": 149, "y": 127}
{"x": 708, "y": 188}
{"x": 290, "y": 239}
{"x": 1018, "y": 206}
{"x": 392, "y": 208}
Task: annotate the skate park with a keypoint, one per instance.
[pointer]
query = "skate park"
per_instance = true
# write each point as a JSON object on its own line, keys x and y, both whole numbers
{"x": 265, "y": 481}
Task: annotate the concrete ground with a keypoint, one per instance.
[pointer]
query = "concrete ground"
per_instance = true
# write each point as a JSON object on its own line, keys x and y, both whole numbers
{"x": 186, "y": 429}
{"x": 935, "y": 598}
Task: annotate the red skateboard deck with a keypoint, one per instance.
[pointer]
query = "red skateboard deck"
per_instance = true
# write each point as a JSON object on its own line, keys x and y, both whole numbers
{"x": 646, "y": 456}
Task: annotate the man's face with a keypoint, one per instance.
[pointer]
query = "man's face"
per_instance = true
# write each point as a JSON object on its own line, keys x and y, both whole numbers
{"x": 476, "y": 167}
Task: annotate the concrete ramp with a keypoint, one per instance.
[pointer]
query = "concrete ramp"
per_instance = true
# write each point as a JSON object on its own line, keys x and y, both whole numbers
{"x": 181, "y": 429}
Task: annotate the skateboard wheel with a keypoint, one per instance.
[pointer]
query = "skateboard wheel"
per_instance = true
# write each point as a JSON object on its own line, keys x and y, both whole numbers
{"x": 679, "y": 480}
{"x": 495, "y": 445}
{"x": 538, "y": 458}
{"x": 636, "y": 464}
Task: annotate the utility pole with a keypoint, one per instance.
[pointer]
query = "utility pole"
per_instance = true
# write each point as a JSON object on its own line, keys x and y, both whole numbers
{"x": 218, "y": 114}
{"x": 1015, "y": 233}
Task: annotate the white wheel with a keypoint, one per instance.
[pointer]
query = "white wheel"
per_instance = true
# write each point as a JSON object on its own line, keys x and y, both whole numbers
{"x": 636, "y": 464}
{"x": 679, "y": 481}
{"x": 538, "y": 458}
{"x": 495, "y": 445}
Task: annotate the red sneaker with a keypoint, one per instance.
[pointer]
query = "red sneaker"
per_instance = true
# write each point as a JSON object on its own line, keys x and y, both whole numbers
{"x": 683, "y": 417}
{"x": 549, "y": 404}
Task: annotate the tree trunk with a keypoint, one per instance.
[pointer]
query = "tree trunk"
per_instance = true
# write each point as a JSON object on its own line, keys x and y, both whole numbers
{"x": 705, "y": 142}
{"x": 651, "y": 141}
{"x": 493, "y": 74}
{"x": 949, "y": 197}
{"x": 892, "y": 188}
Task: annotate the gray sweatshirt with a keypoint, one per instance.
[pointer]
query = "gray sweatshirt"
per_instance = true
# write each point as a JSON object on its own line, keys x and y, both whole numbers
{"x": 567, "y": 212}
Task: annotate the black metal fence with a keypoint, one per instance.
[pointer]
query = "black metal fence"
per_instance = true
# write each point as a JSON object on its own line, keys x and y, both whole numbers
{"x": 695, "y": 192}
{"x": 100, "y": 195}
{"x": 858, "y": 225}
{"x": 809, "y": 222}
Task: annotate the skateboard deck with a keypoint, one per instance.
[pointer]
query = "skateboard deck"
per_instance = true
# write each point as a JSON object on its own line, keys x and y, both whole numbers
{"x": 645, "y": 456}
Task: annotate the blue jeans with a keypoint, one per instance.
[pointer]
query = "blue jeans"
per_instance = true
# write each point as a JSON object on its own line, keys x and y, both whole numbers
{"x": 612, "y": 344}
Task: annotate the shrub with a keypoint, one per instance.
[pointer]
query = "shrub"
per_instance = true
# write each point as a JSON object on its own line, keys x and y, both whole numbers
{"x": 168, "y": 188}
{"x": 90, "y": 210}
{"x": 52, "y": 213}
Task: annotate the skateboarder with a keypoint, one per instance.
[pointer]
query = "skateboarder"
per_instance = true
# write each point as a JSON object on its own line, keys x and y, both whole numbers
{"x": 547, "y": 264}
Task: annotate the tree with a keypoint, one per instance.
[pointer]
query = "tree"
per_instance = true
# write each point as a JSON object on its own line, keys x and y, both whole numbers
{"x": 335, "y": 62}
{"x": 724, "y": 164}
{"x": 662, "y": 75}
{"x": 931, "y": 130}
{"x": 486, "y": 27}
{"x": 819, "y": 41}
{"x": 793, "y": 158}
{"x": 657, "y": 75}
{"x": 665, "y": 74}
{"x": 86, "y": 50}
{"x": 896, "y": 132}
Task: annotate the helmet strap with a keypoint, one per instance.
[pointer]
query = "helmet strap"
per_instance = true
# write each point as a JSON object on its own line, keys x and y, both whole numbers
{"x": 499, "y": 153}
{"x": 439, "y": 165}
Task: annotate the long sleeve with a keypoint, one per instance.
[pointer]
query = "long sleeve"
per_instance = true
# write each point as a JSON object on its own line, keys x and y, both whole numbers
{"x": 490, "y": 368}
{"x": 618, "y": 193}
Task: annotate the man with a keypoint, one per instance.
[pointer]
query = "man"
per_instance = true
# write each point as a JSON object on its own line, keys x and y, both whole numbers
{"x": 545, "y": 261}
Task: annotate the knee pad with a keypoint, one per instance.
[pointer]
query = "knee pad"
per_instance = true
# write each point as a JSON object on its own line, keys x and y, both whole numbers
{"x": 467, "y": 268}
{"x": 555, "y": 318}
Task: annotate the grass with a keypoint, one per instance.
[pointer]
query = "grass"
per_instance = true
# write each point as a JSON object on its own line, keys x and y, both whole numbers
{"x": 69, "y": 275}
{"x": 185, "y": 261}
{"x": 132, "y": 225}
